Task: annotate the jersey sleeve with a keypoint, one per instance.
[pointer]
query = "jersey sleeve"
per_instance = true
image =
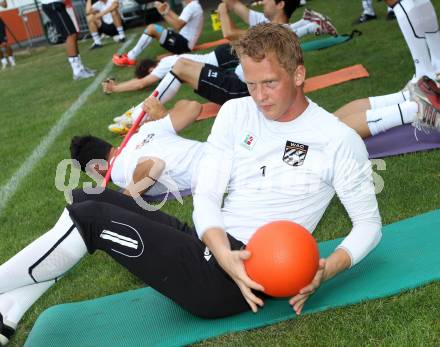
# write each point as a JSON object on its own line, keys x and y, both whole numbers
{"x": 353, "y": 183}
{"x": 256, "y": 18}
{"x": 214, "y": 172}
{"x": 187, "y": 13}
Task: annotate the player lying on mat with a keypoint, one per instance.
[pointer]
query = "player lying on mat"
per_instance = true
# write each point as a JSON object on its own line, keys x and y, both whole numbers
{"x": 417, "y": 104}
{"x": 274, "y": 11}
{"x": 155, "y": 160}
{"x": 189, "y": 26}
{"x": 278, "y": 154}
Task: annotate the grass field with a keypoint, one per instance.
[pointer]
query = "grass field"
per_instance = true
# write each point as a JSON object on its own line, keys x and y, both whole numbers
{"x": 40, "y": 89}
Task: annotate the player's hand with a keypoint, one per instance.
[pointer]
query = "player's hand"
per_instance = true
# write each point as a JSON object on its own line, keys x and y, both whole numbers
{"x": 154, "y": 108}
{"x": 299, "y": 300}
{"x": 232, "y": 263}
{"x": 161, "y": 6}
{"x": 222, "y": 8}
{"x": 108, "y": 85}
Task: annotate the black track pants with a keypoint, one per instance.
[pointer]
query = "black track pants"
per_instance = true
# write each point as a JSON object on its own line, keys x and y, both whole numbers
{"x": 163, "y": 252}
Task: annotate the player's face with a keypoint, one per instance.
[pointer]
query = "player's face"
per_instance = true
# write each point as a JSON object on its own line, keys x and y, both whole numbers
{"x": 270, "y": 8}
{"x": 277, "y": 93}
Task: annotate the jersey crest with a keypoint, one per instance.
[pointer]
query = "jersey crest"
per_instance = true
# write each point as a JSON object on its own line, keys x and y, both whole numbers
{"x": 295, "y": 153}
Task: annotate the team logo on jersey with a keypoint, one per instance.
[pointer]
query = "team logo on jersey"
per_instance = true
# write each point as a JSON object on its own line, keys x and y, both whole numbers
{"x": 249, "y": 141}
{"x": 295, "y": 153}
{"x": 146, "y": 140}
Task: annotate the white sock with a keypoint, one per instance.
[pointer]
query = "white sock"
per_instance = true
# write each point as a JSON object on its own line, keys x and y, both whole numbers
{"x": 367, "y": 5}
{"x": 4, "y": 62}
{"x": 412, "y": 26}
{"x": 11, "y": 60}
{"x": 15, "y": 303}
{"x": 76, "y": 65}
{"x": 121, "y": 32}
{"x": 96, "y": 38}
{"x": 142, "y": 43}
{"x": 168, "y": 87}
{"x": 306, "y": 29}
{"x": 381, "y": 119}
{"x": 389, "y": 99}
{"x": 46, "y": 258}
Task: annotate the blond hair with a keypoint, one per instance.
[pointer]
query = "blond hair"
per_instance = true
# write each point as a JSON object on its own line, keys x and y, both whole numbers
{"x": 266, "y": 38}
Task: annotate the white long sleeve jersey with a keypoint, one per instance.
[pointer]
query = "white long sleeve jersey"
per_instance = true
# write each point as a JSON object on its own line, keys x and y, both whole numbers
{"x": 284, "y": 171}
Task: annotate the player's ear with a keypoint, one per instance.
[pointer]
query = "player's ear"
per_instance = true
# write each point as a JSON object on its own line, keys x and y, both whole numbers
{"x": 300, "y": 75}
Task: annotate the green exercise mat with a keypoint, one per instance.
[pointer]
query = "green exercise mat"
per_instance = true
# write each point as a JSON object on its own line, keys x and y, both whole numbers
{"x": 407, "y": 257}
{"x": 328, "y": 42}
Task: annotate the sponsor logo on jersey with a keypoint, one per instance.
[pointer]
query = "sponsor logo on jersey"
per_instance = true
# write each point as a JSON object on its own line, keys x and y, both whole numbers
{"x": 146, "y": 140}
{"x": 295, "y": 153}
{"x": 249, "y": 141}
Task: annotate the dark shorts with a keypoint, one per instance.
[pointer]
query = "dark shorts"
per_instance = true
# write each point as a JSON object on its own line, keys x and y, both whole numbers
{"x": 108, "y": 29}
{"x": 58, "y": 15}
{"x": 160, "y": 250}
{"x": 3, "y": 37}
{"x": 219, "y": 85}
{"x": 225, "y": 57}
{"x": 175, "y": 43}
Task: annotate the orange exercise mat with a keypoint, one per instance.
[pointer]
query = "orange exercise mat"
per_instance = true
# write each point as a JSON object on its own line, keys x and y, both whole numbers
{"x": 313, "y": 83}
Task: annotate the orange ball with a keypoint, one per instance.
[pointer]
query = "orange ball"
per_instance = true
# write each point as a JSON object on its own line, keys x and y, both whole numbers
{"x": 284, "y": 258}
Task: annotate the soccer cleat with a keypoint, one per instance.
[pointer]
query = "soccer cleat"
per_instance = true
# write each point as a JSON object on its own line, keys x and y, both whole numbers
{"x": 125, "y": 118}
{"x": 6, "y": 332}
{"x": 325, "y": 27}
{"x": 93, "y": 71}
{"x": 118, "y": 129}
{"x": 83, "y": 74}
{"x": 427, "y": 95}
{"x": 312, "y": 16}
{"x": 365, "y": 18}
{"x": 122, "y": 60}
{"x": 95, "y": 46}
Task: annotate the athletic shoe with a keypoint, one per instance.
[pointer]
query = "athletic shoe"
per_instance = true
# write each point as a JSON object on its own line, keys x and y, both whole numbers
{"x": 6, "y": 332}
{"x": 95, "y": 46}
{"x": 313, "y": 16}
{"x": 93, "y": 71}
{"x": 83, "y": 74}
{"x": 118, "y": 129}
{"x": 325, "y": 27}
{"x": 427, "y": 95}
{"x": 125, "y": 118}
{"x": 365, "y": 18}
{"x": 122, "y": 60}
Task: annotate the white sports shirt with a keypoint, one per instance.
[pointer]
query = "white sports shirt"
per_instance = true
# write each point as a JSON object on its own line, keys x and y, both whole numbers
{"x": 159, "y": 139}
{"x": 258, "y": 17}
{"x": 192, "y": 15}
{"x": 284, "y": 171}
{"x": 101, "y": 6}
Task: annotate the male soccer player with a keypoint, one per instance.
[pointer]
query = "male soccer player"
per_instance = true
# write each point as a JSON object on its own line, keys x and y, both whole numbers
{"x": 308, "y": 156}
